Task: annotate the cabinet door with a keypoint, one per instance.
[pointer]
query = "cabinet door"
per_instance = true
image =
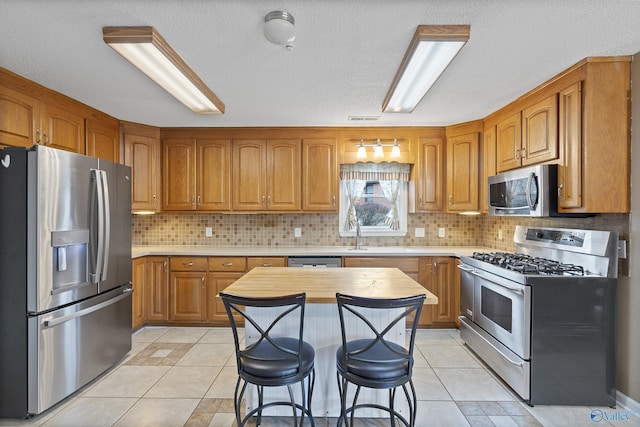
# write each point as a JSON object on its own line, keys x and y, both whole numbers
{"x": 462, "y": 173}
{"x": 319, "y": 175}
{"x": 253, "y": 262}
{"x": 508, "y": 143}
{"x": 440, "y": 276}
{"x": 431, "y": 176}
{"x": 540, "y": 132}
{"x": 103, "y": 140}
{"x": 138, "y": 278}
{"x": 188, "y": 300}
{"x": 157, "y": 288}
{"x": 178, "y": 174}
{"x": 488, "y": 164}
{"x": 142, "y": 154}
{"x": 62, "y": 129}
{"x": 217, "y": 282}
{"x": 19, "y": 118}
{"x": 570, "y": 167}
{"x": 213, "y": 176}
{"x": 249, "y": 175}
{"x": 283, "y": 175}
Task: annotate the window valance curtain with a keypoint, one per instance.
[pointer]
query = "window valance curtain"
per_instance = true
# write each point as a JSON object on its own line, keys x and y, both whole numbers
{"x": 390, "y": 175}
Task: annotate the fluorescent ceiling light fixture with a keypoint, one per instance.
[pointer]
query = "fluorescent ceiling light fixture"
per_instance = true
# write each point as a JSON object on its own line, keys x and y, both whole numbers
{"x": 148, "y": 51}
{"x": 431, "y": 50}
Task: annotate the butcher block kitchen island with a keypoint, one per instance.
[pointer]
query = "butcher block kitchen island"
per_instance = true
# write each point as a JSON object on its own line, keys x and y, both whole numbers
{"x": 322, "y": 325}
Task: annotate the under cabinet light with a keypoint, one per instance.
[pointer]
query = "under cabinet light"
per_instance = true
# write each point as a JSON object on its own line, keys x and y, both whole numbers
{"x": 431, "y": 50}
{"x": 149, "y": 52}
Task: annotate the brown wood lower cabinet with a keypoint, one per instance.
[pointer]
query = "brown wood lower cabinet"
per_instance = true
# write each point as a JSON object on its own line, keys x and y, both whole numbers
{"x": 217, "y": 282}
{"x": 138, "y": 279}
{"x": 440, "y": 276}
{"x": 437, "y": 274}
{"x": 188, "y": 296}
{"x": 157, "y": 289}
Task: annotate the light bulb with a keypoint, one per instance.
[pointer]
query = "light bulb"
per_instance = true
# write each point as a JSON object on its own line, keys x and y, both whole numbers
{"x": 377, "y": 152}
{"x": 362, "y": 152}
{"x": 395, "y": 151}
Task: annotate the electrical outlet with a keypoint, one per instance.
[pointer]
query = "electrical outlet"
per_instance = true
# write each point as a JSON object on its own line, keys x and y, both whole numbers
{"x": 441, "y": 232}
{"x": 622, "y": 249}
{"x": 419, "y": 232}
{"x": 208, "y": 232}
{"x": 500, "y": 234}
{"x": 297, "y": 232}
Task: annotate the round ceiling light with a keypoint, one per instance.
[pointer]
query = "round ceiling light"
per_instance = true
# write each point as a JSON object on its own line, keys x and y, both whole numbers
{"x": 279, "y": 28}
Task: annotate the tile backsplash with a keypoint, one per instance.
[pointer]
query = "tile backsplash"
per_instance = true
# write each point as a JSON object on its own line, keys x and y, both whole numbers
{"x": 322, "y": 230}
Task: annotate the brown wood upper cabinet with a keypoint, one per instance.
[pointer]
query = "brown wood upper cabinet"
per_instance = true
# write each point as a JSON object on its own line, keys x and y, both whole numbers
{"x": 142, "y": 154}
{"x": 462, "y": 172}
{"x": 319, "y": 175}
{"x": 488, "y": 164}
{"x": 430, "y": 181}
{"x": 266, "y": 175}
{"x": 27, "y": 121}
{"x": 528, "y": 137}
{"x": 103, "y": 139}
{"x": 195, "y": 174}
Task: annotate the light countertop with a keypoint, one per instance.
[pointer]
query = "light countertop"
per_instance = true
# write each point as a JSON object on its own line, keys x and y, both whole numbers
{"x": 259, "y": 251}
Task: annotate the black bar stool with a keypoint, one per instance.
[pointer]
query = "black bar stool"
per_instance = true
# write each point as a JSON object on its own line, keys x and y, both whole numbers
{"x": 376, "y": 362}
{"x": 272, "y": 361}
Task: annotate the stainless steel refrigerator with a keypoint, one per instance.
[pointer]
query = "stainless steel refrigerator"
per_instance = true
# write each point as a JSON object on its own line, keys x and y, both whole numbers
{"x": 65, "y": 274}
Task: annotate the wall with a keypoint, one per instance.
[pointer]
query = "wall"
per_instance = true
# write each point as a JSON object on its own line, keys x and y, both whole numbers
{"x": 628, "y": 287}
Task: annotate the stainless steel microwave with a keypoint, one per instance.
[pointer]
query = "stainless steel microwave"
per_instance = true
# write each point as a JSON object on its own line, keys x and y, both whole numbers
{"x": 530, "y": 191}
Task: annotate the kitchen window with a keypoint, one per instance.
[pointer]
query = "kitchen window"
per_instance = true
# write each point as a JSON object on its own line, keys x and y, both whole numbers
{"x": 375, "y": 196}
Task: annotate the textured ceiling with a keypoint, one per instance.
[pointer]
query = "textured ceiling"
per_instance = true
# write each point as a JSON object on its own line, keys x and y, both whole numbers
{"x": 345, "y": 55}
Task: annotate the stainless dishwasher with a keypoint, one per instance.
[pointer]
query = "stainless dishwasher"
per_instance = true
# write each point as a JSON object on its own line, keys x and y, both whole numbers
{"x": 317, "y": 262}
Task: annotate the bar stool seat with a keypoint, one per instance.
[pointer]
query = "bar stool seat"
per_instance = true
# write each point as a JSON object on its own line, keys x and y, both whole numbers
{"x": 267, "y": 361}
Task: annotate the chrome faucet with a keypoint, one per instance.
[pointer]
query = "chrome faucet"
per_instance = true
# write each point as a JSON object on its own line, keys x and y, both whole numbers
{"x": 358, "y": 236}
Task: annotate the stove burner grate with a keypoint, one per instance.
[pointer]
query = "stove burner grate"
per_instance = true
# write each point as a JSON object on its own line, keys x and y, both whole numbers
{"x": 527, "y": 264}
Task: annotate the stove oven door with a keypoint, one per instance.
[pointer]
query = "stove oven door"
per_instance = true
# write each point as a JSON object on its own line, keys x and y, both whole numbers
{"x": 503, "y": 309}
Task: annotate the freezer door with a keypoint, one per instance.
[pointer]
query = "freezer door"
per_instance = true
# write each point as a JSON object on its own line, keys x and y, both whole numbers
{"x": 72, "y": 346}
{"x": 116, "y": 263}
{"x": 59, "y": 205}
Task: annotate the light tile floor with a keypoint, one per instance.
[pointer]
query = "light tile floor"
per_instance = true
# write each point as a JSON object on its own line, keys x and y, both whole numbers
{"x": 186, "y": 377}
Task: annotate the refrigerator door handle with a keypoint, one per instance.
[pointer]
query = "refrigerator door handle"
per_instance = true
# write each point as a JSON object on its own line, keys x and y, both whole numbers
{"x": 49, "y": 323}
{"x": 100, "y": 238}
{"x": 107, "y": 225}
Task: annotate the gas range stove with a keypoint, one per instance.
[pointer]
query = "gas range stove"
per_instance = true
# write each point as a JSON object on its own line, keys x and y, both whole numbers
{"x": 527, "y": 264}
{"x": 552, "y": 252}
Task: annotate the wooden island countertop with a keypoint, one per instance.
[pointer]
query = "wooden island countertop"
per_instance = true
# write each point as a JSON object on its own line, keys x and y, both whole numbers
{"x": 321, "y": 284}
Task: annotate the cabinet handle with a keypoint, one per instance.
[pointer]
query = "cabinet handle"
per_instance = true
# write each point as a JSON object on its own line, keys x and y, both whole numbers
{"x": 421, "y": 200}
{"x": 262, "y": 201}
{"x": 517, "y": 155}
{"x": 435, "y": 267}
{"x": 188, "y": 264}
{"x": 193, "y": 201}
{"x": 202, "y": 282}
{"x": 523, "y": 153}
{"x": 450, "y": 199}
{"x": 228, "y": 264}
{"x": 266, "y": 264}
{"x": 153, "y": 200}
{"x": 560, "y": 196}
{"x": 334, "y": 201}
{"x": 198, "y": 201}
{"x": 38, "y": 136}
{"x": 268, "y": 201}
{"x": 46, "y": 138}
{"x": 164, "y": 266}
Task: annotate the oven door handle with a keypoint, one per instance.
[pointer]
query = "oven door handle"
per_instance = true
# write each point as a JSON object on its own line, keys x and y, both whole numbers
{"x": 494, "y": 281}
{"x": 465, "y": 268}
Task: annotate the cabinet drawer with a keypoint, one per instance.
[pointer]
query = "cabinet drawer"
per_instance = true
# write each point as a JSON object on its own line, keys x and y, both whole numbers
{"x": 186, "y": 263}
{"x": 265, "y": 262}
{"x": 227, "y": 263}
{"x": 407, "y": 265}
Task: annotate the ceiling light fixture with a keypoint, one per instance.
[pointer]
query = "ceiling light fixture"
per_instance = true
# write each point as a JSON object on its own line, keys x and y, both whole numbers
{"x": 279, "y": 28}
{"x": 431, "y": 50}
{"x": 149, "y": 52}
{"x": 378, "y": 150}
